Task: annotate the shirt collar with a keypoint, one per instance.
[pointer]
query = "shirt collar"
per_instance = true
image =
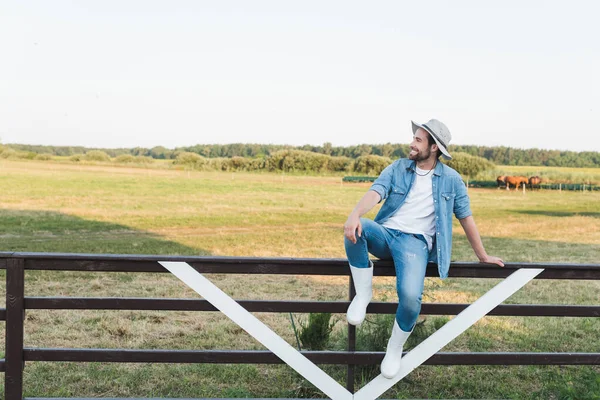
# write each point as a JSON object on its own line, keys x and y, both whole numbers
{"x": 437, "y": 170}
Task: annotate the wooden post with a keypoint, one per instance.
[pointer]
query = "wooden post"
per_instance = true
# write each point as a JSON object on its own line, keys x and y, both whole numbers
{"x": 15, "y": 312}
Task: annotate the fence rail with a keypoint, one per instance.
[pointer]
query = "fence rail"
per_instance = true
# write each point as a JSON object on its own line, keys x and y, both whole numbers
{"x": 16, "y": 264}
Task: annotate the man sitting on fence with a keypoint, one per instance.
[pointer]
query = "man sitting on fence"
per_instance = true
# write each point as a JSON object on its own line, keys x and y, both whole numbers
{"x": 413, "y": 227}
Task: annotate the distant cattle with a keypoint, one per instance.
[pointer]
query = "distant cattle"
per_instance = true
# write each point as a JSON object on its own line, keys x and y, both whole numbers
{"x": 535, "y": 181}
{"x": 501, "y": 181}
{"x": 516, "y": 181}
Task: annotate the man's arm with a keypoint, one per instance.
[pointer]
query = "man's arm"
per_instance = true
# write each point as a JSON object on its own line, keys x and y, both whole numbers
{"x": 472, "y": 233}
{"x": 365, "y": 204}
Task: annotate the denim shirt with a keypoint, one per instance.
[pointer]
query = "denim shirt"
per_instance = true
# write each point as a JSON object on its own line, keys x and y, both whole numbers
{"x": 449, "y": 197}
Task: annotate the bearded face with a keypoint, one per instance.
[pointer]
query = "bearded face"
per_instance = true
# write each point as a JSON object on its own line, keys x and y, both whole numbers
{"x": 420, "y": 149}
{"x": 417, "y": 154}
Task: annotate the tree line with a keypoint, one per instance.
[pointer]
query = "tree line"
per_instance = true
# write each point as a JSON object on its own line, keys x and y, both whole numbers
{"x": 499, "y": 155}
{"x": 279, "y": 161}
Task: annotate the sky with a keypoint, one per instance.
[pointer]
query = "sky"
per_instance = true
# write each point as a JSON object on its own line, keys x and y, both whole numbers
{"x": 127, "y": 73}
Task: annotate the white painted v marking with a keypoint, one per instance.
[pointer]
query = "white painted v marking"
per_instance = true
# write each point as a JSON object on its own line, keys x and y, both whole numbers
{"x": 313, "y": 373}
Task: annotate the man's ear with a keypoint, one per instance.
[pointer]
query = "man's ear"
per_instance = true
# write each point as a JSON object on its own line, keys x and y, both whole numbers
{"x": 434, "y": 147}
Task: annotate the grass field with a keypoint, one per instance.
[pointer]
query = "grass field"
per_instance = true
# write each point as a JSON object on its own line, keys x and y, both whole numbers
{"x": 58, "y": 207}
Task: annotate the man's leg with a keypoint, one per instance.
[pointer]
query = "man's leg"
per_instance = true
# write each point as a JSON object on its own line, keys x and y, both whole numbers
{"x": 410, "y": 260}
{"x": 373, "y": 240}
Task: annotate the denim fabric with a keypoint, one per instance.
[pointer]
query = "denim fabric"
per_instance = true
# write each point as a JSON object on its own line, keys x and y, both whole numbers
{"x": 449, "y": 197}
{"x": 409, "y": 253}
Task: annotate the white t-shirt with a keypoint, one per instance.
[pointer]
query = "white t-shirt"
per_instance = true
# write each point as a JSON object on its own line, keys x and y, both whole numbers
{"x": 417, "y": 214}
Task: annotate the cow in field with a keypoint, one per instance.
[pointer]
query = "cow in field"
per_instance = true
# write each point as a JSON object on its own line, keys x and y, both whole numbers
{"x": 516, "y": 181}
{"x": 535, "y": 181}
{"x": 501, "y": 181}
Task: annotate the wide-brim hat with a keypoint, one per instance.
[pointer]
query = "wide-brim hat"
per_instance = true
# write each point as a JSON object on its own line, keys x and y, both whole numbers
{"x": 439, "y": 132}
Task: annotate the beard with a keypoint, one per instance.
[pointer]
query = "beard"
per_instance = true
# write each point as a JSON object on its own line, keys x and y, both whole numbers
{"x": 419, "y": 156}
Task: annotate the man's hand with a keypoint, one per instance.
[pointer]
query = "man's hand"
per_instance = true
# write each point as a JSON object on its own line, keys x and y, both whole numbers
{"x": 492, "y": 260}
{"x": 472, "y": 233}
{"x": 351, "y": 227}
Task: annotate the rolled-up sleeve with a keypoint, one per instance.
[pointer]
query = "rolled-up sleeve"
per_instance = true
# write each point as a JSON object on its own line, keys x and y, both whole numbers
{"x": 383, "y": 183}
{"x": 462, "y": 204}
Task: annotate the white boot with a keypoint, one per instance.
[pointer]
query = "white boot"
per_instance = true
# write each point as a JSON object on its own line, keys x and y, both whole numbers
{"x": 390, "y": 366}
{"x": 363, "y": 284}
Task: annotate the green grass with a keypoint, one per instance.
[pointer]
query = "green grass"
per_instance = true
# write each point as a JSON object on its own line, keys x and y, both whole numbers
{"x": 58, "y": 207}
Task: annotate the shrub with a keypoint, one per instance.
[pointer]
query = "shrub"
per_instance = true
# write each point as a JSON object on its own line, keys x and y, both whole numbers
{"x": 314, "y": 335}
{"x": 76, "y": 157}
{"x": 256, "y": 164}
{"x": 125, "y": 159}
{"x": 217, "y": 164}
{"x": 238, "y": 164}
{"x": 274, "y": 162}
{"x": 371, "y": 165}
{"x": 7, "y": 152}
{"x": 43, "y": 157}
{"x": 191, "y": 160}
{"x": 96, "y": 155}
{"x": 340, "y": 164}
{"x": 296, "y": 160}
{"x": 144, "y": 160}
{"x": 26, "y": 155}
{"x": 468, "y": 165}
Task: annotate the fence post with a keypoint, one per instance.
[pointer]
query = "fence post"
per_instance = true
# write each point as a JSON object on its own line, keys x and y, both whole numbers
{"x": 351, "y": 342}
{"x": 15, "y": 312}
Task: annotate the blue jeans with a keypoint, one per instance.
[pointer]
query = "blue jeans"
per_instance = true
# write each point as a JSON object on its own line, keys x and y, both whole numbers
{"x": 409, "y": 253}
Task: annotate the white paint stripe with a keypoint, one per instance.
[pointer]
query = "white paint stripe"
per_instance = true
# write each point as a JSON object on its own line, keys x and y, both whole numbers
{"x": 257, "y": 329}
{"x": 450, "y": 331}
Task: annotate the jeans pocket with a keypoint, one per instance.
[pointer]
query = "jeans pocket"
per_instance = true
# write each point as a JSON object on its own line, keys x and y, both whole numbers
{"x": 421, "y": 238}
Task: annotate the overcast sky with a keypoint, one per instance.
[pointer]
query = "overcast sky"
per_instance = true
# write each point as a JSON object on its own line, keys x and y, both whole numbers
{"x": 175, "y": 73}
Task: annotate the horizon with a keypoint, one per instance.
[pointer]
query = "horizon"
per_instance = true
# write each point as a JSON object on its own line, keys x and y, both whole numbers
{"x": 290, "y": 145}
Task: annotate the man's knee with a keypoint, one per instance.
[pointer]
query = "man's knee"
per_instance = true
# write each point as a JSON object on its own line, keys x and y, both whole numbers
{"x": 366, "y": 221}
{"x": 348, "y": 243}
{"x": 409, "y": 299}
{"x": 365, "y": 227}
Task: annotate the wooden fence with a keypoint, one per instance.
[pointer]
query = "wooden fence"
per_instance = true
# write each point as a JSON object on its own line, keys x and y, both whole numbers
{"x": 17, "y": 303}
